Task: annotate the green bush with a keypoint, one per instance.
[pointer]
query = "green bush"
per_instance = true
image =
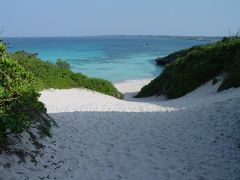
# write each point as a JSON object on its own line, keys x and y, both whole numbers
{"x": 58, "y": 76}
{"x": 63, "y": 64}
{"x": 46, "y": 74}
{"x": 232, "y": 78}
{"x": 196, "y": 66}
{"x": 171, "y": 57}
{"x": 19, "y": 105}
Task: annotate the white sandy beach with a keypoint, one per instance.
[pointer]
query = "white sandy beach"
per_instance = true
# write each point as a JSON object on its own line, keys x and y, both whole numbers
{"x": 101, "y": 137}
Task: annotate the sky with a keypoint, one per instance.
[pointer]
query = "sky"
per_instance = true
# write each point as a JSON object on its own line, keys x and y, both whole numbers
{"x": 37, "y": 18}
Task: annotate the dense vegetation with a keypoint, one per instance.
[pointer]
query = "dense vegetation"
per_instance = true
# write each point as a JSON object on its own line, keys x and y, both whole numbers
{"x": 171, "y": 57}
{"x": 49, "y": 75}
{"x": 192, "y": 67}
{"x": 19, "y": 105}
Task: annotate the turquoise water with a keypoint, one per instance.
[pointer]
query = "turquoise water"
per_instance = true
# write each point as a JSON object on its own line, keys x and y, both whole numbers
{"x": 115, "y": 58}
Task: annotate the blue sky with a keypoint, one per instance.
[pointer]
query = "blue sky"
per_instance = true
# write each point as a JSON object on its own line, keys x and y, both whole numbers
{"x": 111, "y": 17}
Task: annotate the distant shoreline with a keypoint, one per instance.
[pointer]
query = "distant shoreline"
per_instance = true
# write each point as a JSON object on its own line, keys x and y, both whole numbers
{"x": 132, "y": 86}
{"x": 133, "y": 80}
{"x": 122, "y": 36}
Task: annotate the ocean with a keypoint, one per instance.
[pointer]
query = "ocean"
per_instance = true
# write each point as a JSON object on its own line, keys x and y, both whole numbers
{"x": 115, "y": 58}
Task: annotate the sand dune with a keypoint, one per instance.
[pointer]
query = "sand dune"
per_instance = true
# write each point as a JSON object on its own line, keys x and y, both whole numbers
{"x": 101, "y": 137}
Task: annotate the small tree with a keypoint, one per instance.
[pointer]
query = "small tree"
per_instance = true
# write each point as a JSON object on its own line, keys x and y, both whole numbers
{"x": 63, "y": 64}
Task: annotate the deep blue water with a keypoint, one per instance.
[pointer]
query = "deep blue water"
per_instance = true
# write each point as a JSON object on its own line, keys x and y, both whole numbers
{"x": 116, "y": 58}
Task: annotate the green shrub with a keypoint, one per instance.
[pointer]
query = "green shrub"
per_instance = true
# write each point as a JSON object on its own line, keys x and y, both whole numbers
{"x": 96, "y": 84}
{"x": 196, "y": 66}
{"x": 63, "y": 64}
{"x": 170, "y": 58}
{"x": 19, "y": 105}
{"x": 58, "y": 76}
{"x": 232, "y": 78}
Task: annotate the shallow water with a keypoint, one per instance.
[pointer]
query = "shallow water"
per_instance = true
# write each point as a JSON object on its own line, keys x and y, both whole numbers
{"x": 115, "y": 58}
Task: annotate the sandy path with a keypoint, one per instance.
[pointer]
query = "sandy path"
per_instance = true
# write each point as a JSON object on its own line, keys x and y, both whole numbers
{"x": 100, "y": 137}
